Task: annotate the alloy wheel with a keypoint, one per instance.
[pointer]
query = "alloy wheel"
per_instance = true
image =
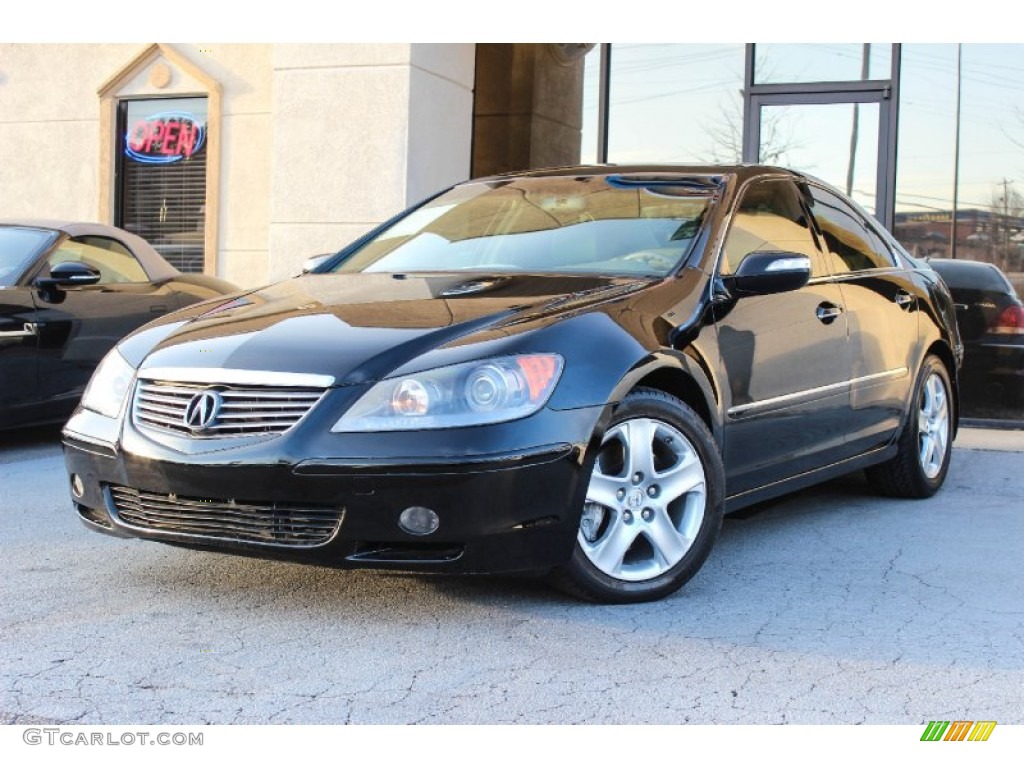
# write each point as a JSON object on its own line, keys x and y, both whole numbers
{"x": 645, "y": 502}
{"x": 933, "y": 425}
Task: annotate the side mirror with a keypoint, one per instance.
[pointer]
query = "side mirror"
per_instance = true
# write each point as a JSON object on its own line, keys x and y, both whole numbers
{"x": 68, "y": 274}
{"x": 765, "y": 272}
{"x": 314, "y": 261}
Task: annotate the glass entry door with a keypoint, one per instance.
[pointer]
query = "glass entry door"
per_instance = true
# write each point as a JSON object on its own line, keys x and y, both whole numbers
{"x": 829, "y": 111}
{"x": 837, "y": 137}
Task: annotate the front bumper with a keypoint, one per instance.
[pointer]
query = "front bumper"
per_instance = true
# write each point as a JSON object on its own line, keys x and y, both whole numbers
{"x": 508, "y": 496}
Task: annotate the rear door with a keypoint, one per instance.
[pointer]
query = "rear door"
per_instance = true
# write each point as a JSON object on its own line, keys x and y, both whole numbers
{"x": 882, "y": 302}
{"x": 785, "y": 356}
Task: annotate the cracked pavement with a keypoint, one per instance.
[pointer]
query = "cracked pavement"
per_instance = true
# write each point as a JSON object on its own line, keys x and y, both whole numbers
{"x": 829, "y": 606}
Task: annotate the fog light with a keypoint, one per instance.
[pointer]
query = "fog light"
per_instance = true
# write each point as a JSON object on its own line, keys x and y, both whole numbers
{"x": 419, "y": 521}
{"x": 77, "y": 486}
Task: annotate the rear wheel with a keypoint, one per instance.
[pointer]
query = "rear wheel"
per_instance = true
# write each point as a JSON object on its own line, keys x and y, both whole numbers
{"x": 653, "y": 506}
{"x": 925, "y": 445}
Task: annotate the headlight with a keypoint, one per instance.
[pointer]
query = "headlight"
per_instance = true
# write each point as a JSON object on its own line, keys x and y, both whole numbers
{"x": 481, "y": 392}
{"x": 108, "y": 388}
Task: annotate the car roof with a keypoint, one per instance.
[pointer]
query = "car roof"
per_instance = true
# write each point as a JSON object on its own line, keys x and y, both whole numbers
{"x": 154, "y": 264}
{"x": 742, "y": 171}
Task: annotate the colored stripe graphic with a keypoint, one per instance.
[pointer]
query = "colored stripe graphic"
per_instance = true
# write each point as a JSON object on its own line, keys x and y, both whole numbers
{"x": 958, "y": 730}
{"x": 982, "y": 730}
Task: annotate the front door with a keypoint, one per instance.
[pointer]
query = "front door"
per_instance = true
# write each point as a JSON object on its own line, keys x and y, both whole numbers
{"x": 19, "y": 337}
{"x": 785, "y": 356}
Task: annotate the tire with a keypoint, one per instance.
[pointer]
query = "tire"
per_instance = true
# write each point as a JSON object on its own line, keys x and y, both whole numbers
{"x": 653, "y": 506}
{"x": 924, "y": 447}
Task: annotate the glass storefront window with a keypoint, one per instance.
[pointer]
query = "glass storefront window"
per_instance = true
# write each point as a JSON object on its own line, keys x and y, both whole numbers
{"x": 161, "y": 184}
{"x": 837, "y": 143}
{"x": 926, "y": 149}
{"x": 981, "y": 219}
{"x": 675, "y": 103}
{"x": 591, "y": 106}
{"x": 992, "y": 158}
{"x": 821, "y": 62}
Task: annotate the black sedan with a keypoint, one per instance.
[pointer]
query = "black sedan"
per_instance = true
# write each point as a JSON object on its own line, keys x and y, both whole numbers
{"x": 69, "y": 291}
{"x": 991, "y": 318}
{"x": 573, "y": 372}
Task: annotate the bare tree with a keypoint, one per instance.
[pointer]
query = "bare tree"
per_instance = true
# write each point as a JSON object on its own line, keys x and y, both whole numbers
{"x": 1007, "y": 208}
{"x": 726, "y": 134}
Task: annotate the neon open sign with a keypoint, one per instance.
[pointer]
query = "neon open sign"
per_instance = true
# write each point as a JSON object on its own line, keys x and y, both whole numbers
{"x": 166, "y": 137}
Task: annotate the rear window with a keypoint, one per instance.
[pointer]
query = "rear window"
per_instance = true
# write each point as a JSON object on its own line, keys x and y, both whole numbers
{"x": 972, "y": 276}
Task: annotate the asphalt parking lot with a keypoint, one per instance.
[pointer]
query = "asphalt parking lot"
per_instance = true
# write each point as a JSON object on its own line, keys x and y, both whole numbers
{"x": 829, "y": 606}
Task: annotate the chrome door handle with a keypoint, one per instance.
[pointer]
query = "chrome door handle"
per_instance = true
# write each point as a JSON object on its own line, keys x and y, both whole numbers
{"x": 828, "y": 312}
{"x": 30, "y": 329}
{"x": 903, "y": 299}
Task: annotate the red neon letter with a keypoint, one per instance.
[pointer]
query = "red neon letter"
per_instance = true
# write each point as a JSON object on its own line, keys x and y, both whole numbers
{"x": 187, "y": 139}
{"x": 138, "y": 135}
{"x": 156, "y": 134}
{"x": 169, "y": 137}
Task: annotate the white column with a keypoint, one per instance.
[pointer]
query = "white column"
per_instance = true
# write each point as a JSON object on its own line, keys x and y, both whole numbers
{"x": 360, "y": 131}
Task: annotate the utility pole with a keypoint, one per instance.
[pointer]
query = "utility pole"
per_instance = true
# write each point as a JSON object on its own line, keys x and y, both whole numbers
{"x": 956, "y": 157}
{"x": 865, "y": 58}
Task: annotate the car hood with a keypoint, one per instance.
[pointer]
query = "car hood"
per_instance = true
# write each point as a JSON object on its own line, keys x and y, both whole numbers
{"x": 361, "y": 327}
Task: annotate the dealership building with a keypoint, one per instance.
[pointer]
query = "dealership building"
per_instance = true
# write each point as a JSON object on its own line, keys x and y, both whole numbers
{"x": 243, "y": 160}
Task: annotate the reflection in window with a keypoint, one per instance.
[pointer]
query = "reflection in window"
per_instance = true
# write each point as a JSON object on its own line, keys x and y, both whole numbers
{"x": 553, "y": 225}
{"x": 769, "y": 218}
{"x": 821, "y": 62}
{"x": 675, "y": 103}
{"x": 115, "y": 264}
{"x": 852, "y": 246}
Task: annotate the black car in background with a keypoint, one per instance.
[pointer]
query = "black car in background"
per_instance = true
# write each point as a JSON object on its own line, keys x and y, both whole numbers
{"x": 573, "y": 372}
{"x": 69, "y": 291}
{"x": 991, "y": 319}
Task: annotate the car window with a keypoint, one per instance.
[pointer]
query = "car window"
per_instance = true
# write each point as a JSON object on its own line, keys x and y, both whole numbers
{"x": 853, "y": 246}
{"x": 972, "y": 275}
{"x": 583, "y": 225}
{"x": 114, "y": 262}
{"x": 18, "y": 247}
{"x": 770, "y": 218}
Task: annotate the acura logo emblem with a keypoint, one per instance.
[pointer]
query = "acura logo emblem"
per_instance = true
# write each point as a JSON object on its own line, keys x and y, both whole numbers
{"x": 202, "y": 410}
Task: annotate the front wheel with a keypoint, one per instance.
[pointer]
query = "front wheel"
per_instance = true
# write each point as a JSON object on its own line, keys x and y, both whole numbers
{"x": 925, "y": 445}
{"x": 653, "y": 505}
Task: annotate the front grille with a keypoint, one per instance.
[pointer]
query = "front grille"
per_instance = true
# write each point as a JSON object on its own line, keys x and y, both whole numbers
{"x": 244, "y": 409}
{"x": 286, "y": 524}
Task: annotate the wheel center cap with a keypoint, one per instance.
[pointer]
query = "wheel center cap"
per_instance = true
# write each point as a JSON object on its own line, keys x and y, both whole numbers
{"x": 635, "y": 498}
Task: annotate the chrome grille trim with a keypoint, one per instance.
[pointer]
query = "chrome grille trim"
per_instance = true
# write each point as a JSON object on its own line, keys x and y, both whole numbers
{"x": 276, "y": 523}
{"x": 246, "y": 410}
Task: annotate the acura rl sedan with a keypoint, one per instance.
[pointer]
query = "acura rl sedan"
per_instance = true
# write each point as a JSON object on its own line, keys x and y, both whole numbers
{"x": 69, "y": 291}
{"x": 572, "y": 372}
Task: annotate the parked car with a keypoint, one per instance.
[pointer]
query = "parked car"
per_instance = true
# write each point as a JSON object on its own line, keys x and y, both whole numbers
{"x": 991, "y": 319}
{"x": 69, "y": 291}
{"x": 572, "y": 372}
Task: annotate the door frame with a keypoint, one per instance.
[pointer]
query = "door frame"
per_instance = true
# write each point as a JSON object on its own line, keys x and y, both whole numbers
{"x": 885, "y": 93}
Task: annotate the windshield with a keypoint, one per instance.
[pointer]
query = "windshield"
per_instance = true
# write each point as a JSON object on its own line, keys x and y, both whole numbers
{"x": 563, "y": 225}
{"x": 18, "y": 247}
